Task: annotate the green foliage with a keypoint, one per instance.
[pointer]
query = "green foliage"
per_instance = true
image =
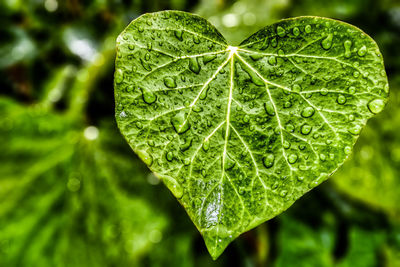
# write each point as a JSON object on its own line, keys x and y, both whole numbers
{"x": 240, "y": 133}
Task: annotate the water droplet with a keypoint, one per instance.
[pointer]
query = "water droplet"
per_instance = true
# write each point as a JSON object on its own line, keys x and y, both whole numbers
{"x": 145, "y": 65}
{"x": 302, "y": 146}
{"x": 274, "y": 42}
{"x": 307, "y": 29}
{"x": 169, "y": 156}
{"x": 307, "y": 112}
{"x": 206, "y": 145}
{"x": 139, "y": 125}
{"x": 203, "y": 94}
{"x": 173, "y": 185}
{"x": 256, "y": 57}
{"x": 229, "y": 163}
{"x": 362, "y": 51}
{"x": 281, "y": 52}
{"x": 290, "y": 128}
{"x": 324, "y": 91}
{"x": 178, "y": 35}
{"x": 268, "y": 160}
{"x": 197, "y": 109}
{"x": 269, "y": 108}
{"x": 322, "y": 157}
{"x": 356, "y": 74}
{"x": 145, "y": 157}
{"x": 296, "y": 88}
{"x": 147, "y": 57}
{"x": 286, "y": 144}
{"x": 292, "y": 158}
{"x": 352, "y": 89}
{"x": 347, "y": 150}
{"x": 351, "y": 117}
{"x": 300, "y": 178}
{"x": 272, "y": 60}
{"x": 150, "y": 142}
{"x": 327, "y": 42}
{"x": 196, "y": 39}
{"x": 305, "y": 129}
{"x": 140, "y": 29}
{"x": 180, "y": 123}
{"x": 254, "y": 77}
{"x": 355, "y": 130}
{"x": 186, "y": 145}
{"x": 119, "y": 76}
{"x": 131, "y": 47}
{"x": 283, "y": 193}
{"x": 376, "y": 105}
{"x": 148, "y": 96}
{"x": 280, "y": 31}
{"x": 246, "y": 118}
{"x": 347, "y": 48}
{"x": 296, "y": 31}
{"x": 208, "y": 58}
{"x": 341, "y": 99}
{"x": 169, "y": 82}
{"x": 194, "y": 65}
{"x": 287, "y": 104}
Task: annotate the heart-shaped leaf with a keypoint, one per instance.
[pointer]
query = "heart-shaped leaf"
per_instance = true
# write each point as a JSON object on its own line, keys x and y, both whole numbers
{"x": 239, "y": 133}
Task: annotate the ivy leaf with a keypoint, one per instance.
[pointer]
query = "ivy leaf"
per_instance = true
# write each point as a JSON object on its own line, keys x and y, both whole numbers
{"x": 239, "y": 133}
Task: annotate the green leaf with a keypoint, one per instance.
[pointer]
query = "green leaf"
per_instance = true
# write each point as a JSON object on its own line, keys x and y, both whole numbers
{"x": 69, "y": 193}
{"x": 239, "y": 133}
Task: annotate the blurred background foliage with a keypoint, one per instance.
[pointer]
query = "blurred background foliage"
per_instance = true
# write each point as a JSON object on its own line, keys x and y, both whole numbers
{"x": 72, "y": 193}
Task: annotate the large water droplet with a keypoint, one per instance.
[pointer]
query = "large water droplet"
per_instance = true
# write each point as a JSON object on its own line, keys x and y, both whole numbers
{"x": 169, "y": 82}
{"x": 376, "y": 105}
{"x": 254, "y": 77}
{"x": 296, "y": 31}
{"x": 256, "y": 57}
{"x": 269, "y": 108}
{"x": 145, "y": 65}
{"x": 306, "y": 129}
{"x": 178, "y": 35}
{"x": 268, "y": 160}
{"x": 362, "y": 51}
{"x": 341, "y": 99}
{"x": 292, "y": 158}
{"x": 203, "y": 94}
{"x": 208, "y": 58}
{"x": 173, "y": 185}
{"x": 169, "y": 156}
{"x": 356, "y": 129}
{"x": 148, "y": 96}
{"x": 206, "y": 145}
{"x": 180, "y": 123}
{"x": 347, "y": 48}
{"x": 145, "y": 157}
{"x": 119, "y": 76}
{"x": 194, "y": 65}
{"x": 327, "y": 42}
{"x": 280, "y": 31}
{"x": 307, "y": 112}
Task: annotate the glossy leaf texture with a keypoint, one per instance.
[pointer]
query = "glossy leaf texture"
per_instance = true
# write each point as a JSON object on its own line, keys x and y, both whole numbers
{"x": 240, "y": 133}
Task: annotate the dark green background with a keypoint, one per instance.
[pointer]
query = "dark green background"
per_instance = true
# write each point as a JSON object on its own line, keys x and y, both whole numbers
{"x": 72, "y": 193}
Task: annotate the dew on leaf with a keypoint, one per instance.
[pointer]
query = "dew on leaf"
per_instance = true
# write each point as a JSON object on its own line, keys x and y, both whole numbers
{"x": 208, "y": 58}
{"x": 305, "y": 129}
{"x": 119, "y": 76}
{"x": 256, "y": 57}
{"x": 341, "y": 99}
{"x": 148, "y": 96}
{"x": 307, "y": 112}
{"x": 286, "y": 144}
{"x": 356, "y": 129}
{"x": 178, "y": 35}
{"x": 362, "y": 51}
{"x": 173, "y": 185}
{"x": 268, "y": 160}
{"x": 180, "y": 123}
{"x": 347, "y": 150}
{"x": 292, "y": 158}
{"x": 280, "y": 31}
{"x": 203, "y": 94}
{"x": 194, "y": 65}
{"x": 296, "y": 31}
{"x": 206, "y": 145}
{"x": 347, "y": 48}
{"x": 269, "y": 108}
{"x": 147, "y": 57}
{"x": 145, "y": 65}
{"x": 296, "y": 88}
{"x": 322, "y": 157}
{"x": 169, "y": 156}
{"x": 352, "y": 89}
{"x": 131, "y": 47}
{"x": 272, "y": 60}
{"x": 327, "y": 42}
{"x": 307, "y": 29}
{"x": 145, "y": 157}
{"x": 376, "y": 105}
{"x": 169, "y": 82}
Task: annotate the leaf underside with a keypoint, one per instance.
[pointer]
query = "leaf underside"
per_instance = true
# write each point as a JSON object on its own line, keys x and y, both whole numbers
{"x": 240, "y": 133}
